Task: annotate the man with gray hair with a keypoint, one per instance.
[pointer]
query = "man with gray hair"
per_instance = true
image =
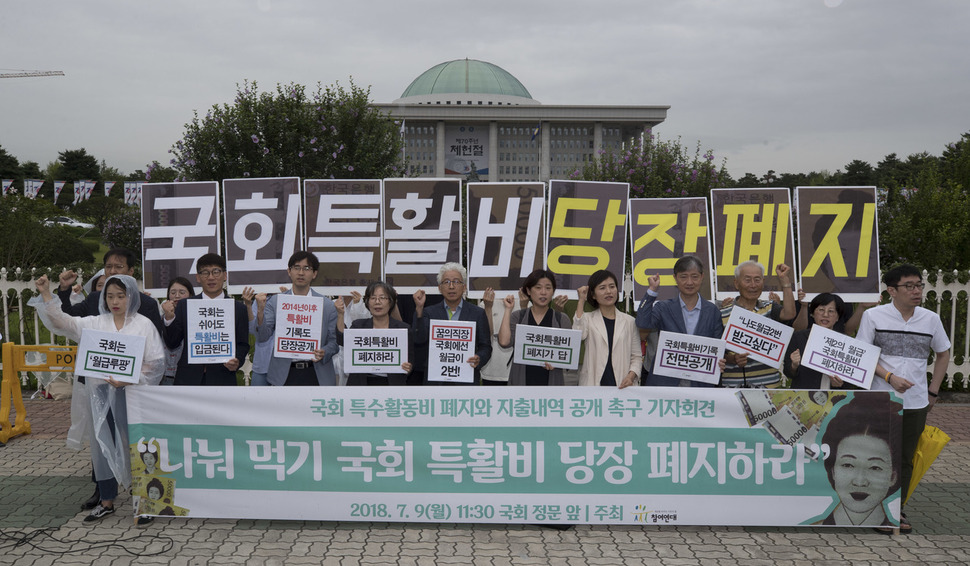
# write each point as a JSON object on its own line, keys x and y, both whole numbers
{"x": 451, "y": 284}
{"x": 749, "y": 280}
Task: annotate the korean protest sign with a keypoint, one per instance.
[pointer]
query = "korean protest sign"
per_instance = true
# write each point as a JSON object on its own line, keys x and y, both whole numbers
{"x": 466, "y": 150}
{"x": 583, "y": 455}
{"x": 689, "y": 357}
{"x": 343, "y": 223}
{"x": 751, "y": 224}
{"x": 506, "y": 228}
{"x": 833, "y": 353}
{"x": 422, "y": 231}
{"x": 375, "y": 350}
{"x": 539, "y": 345}
{"x": 180, "y": 223}
{"x": 587, "y": 231}
{"x": 838, "y": 244}
{"x": 762, "y": 338}
{"x": 450, "y": 345}
{"x": 210, "y": 325}
{"x": 263, "y": 229}
{"x": 299, "y": 325}
{"x": 106, "y": 355}
{"x": 662, "y": 231}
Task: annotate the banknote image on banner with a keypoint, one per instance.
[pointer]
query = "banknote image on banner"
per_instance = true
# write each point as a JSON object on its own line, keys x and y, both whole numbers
{"x": 664, "y": 230}
{"x": 751, "y": 224}
{"x": 582, "y": 455}
{"x": 505, "y": 235}
{"x": 838, "y": 242}
{"x": 587, "y": 231}
{"x": 263, "y": 229}
{"x": 343, "y": 220}
{"x": 179, "y": 224}
{"x": 422, "y": 231}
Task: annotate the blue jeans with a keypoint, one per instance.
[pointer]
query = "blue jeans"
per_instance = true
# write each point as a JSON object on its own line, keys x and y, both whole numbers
{"x": 259, "y": 379}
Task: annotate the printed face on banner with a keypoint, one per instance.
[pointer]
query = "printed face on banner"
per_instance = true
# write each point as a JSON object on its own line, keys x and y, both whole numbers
{"x": 113, "y": 355}
{"x": 540, "y": 345}
{"x": 664, "y": 230}
{"x": 375, "y": 350}
{"x": 422, "y": 231}
{"x": 751, "y": 224}
{"x": 762, "y": 338}
{"x": 505, "y": 228}
{"x": 832, "y": 353}
{"x": 299, "y": 325}
{"x": 587, "y": 231}
{"x": 343, "y": 219}
{"x": 263, "y": 229}
{"x": 688, "y": 357}
{"x": 210, "y": 329}
{"x": 180, "y": 223}
{"x": 451, "y": 343}
{"x": 838, "y": 247}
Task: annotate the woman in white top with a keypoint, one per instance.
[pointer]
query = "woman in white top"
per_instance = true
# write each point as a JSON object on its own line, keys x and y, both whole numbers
{"x": 613, "y": 356}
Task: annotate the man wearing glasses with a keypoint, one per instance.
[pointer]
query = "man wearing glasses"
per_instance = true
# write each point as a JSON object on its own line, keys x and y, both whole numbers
{"x": 210, "y": 272}
{"x": 451, "y": 285}
{"x": 907, "y": 333}
{"x": 302, "y": 269}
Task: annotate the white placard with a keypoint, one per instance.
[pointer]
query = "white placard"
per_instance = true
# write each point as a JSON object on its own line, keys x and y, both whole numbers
{"x": 375, "y": 350}
{"x": 762, "y": 338}
{"x": 210, "y": 330}
{"x": 832, "y": 353}
{"x": 450, "y": 344}
{"x": 104, "y": 355}
{"x": 689, "y": 357}
{"x": 299, "y": 326}
{"x": 539, "y": 345}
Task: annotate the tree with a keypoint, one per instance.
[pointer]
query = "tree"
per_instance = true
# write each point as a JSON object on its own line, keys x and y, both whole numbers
{"x": 9, "y": 165}
{"x": 333, "y": 133}
{"x": 749, "y": 180}
{"x": 77, "y": 165}
{"x": 26, "y": 242}
{"x": 99, "y": 210}
{"x": 955, "y": 162}
{"x": 858, "y": 173}
{"x": 30, "y": 170}
{"x": 657, "y": 168}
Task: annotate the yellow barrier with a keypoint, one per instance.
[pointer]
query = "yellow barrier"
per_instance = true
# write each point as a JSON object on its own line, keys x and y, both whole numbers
{"x": 58, "y": 358}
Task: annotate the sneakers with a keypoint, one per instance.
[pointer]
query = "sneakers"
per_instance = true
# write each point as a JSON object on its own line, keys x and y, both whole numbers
{"x": 98, "y": 513}
{"x": 92, "y": 501}
{"x": 142, "y": 522}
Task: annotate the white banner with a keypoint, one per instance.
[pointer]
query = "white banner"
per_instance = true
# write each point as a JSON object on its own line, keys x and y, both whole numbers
{"x": 375, "y": 350}
{"x": 762, "y": 338}
{"x": 833, "y": 353}
{"x": 299, "y": 324}
{"x": 451, "y": 343}
{"x": 540, "y": 345}
{"x": 7, "y": 186}
{"x": 104, "y": 355}
{"x": 689, "y": 357}
{"x": 210, "y": 328}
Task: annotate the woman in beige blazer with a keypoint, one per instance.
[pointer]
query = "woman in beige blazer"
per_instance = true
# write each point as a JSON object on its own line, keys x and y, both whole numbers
{"x": 613, "y": 355}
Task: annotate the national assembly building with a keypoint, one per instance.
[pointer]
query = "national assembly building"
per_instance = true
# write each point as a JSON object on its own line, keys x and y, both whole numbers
{"x": 473, "y": 119}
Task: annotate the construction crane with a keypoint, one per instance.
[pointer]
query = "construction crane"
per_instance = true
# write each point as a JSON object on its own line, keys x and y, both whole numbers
{"x": 22, "y": 74}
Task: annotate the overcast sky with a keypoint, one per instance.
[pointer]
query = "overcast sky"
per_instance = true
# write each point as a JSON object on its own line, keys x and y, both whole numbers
{"x": 789, "y": 85}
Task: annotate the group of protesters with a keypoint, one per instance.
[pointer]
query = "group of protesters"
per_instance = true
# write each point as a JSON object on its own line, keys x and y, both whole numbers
{"x": 614, "y": 341}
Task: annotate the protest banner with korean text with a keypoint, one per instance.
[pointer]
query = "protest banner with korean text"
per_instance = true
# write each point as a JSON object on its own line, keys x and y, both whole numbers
{"x": 375, "y": 350}
{"x": 422, "y": 231}
{"x": 209, "y": 331}
{"x": 751, "y": 224}
{"x": 112, "y": 355}
{"x": 662, "y": 231}
{"x": 450, "y": 344}
{"x": 587, "y": 231}
{"x": 180, "y": 223}
{"x": 299, "y": 325}
{"x": 689, "y": 357}
{"x": 263, "y": 229}
{"x": 541, "y": 345}
{"x": 762, "y": 338}
{"x": 582, "y": 455}
{"x": 838, "y": 244}
{"x": 343, "y": 225}
{"x": 833, "y": 353}
{"x": 506, "y": 235}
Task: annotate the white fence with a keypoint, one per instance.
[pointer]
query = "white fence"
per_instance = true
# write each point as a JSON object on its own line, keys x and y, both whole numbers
{"x": 947, "y": 299}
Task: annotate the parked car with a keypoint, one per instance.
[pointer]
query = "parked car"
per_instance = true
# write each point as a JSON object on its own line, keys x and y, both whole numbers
{"x": 65, "y": 221}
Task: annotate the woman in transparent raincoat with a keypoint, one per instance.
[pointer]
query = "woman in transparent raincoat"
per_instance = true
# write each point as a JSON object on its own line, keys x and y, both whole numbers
{"x": 108, "y": 416}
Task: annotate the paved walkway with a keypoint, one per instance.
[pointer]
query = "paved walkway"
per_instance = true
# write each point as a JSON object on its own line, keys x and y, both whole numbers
{"x": 42, "y": 484}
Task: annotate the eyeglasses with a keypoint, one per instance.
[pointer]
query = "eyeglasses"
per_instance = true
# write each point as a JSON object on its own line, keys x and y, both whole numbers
{"x": 452, "y": 283}
{"x": 211, "y": 273}
{"x": 379, "y": 299}
{"x": 911, "y": 286}
{"x": 303, "y": 268}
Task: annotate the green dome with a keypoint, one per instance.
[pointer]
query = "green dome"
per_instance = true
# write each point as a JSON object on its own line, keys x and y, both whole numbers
{"x": 466, "y": 76}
